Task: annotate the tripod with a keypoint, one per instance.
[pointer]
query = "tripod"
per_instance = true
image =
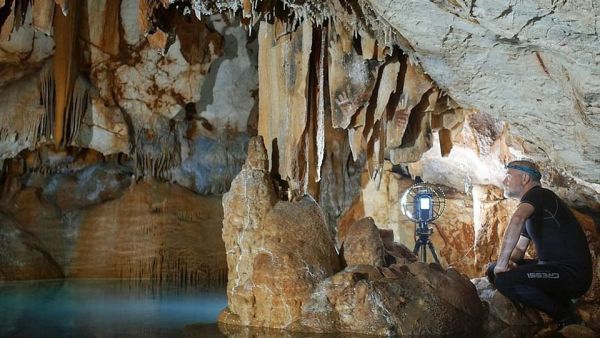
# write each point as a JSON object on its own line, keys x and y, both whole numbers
{"x": 422, "y": 231}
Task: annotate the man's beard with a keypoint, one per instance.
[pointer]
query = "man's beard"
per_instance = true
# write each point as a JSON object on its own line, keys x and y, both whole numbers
{"x": 512, "y": 194}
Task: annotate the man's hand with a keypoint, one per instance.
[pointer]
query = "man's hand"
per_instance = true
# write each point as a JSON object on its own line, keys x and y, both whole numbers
{"x": 498, "y": 269}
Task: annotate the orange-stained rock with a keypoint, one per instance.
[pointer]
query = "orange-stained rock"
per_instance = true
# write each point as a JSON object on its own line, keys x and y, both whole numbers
{"x": 156, "y": 231}
{"x": 491, "y": 215}
{"x": 278, "y": 265}
{"x": 282, "y": 262}
{"x": 578, "y": 331}
{"x": 22, "y": 255}
{"x": 421, "y": 300}
{"x": 158, "y": 40}
{"x": 453, "y": 233}
{"x": 277, "y": 251}
{"x": 590, "y": 313}
{"x": 43, "y": 220}
{"x": 363, "y": 244}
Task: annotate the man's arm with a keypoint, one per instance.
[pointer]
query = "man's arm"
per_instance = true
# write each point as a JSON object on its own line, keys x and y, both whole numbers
{"x": 519, "y": 251}
{"x": 511, "y": 236}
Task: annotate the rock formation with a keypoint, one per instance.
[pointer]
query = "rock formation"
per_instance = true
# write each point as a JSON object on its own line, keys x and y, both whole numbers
{"x": 94, "y": 223}
{"x": 110, "y": 110}
{"x": 22, "y": 255}
{"x": 503, "y": 315}
{"x": 284, "y": 270}
{"x": 274, "y": 261}
{"x": 362, "y": 244}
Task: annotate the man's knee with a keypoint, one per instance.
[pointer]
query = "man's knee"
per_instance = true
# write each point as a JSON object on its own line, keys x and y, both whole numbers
{"x": 490, "y": 272}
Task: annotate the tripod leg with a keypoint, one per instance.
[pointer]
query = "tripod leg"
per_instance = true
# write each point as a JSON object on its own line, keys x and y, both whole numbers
{"x": 417, "y": 246}
{"x": 433, "y": 253}
{"x": 419, "y": 250}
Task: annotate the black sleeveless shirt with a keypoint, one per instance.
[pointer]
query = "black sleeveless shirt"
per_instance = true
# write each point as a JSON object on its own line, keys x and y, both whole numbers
{"x": 555, "y": 231}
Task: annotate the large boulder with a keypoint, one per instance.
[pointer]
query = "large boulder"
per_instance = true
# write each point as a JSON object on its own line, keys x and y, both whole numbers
{"x": 502, "y": 314}
{"x": 413, "y": 299}
{"x": 363, "y": 245}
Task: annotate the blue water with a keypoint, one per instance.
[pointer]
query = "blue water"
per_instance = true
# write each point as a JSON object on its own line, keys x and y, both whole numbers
{"x": 104, "y": 309}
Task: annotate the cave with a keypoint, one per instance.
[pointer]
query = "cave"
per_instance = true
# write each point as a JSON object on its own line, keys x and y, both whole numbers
{"x": 239, "y": 166}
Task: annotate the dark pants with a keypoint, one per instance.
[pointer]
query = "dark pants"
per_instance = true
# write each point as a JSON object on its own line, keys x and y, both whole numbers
{"x": 548, "y": 287}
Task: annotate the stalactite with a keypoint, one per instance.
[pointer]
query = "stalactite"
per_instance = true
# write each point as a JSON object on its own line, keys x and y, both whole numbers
{"x": 111, "y": 26}
{"x": 7, "y": 20}
{"x": 43, "y": 15}
{"x": 351, "y": 78}
{"x": 47, "y": 94}
{"x": 321, "y": 99}
{"x": 20, "y": 119}
{"x": 65, "y": 62}
{"x": 74, "y": 112}
{"x": 21, "y": 7}
{"x": 155, "y": 155}
{"x": 445, "y": 142}
{"x": 283, "y": 73}
{"x": 145, "y": 13}
{"x": 387, "y": 105}
{"x": 387, "y": 86}
{"x": 172, "y": 268}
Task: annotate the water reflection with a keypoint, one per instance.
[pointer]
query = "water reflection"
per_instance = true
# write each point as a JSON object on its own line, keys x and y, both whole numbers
{"x": 104, "y": 309}
{"x": 230, "y": 331}
{"x": 122, "y": 309}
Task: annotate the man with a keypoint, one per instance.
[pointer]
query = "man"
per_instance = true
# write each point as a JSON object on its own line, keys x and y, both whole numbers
{"x": 563, "y": 269}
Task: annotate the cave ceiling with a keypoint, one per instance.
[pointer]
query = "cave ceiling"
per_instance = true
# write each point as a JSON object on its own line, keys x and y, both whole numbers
{"x": 399, "y": 78}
